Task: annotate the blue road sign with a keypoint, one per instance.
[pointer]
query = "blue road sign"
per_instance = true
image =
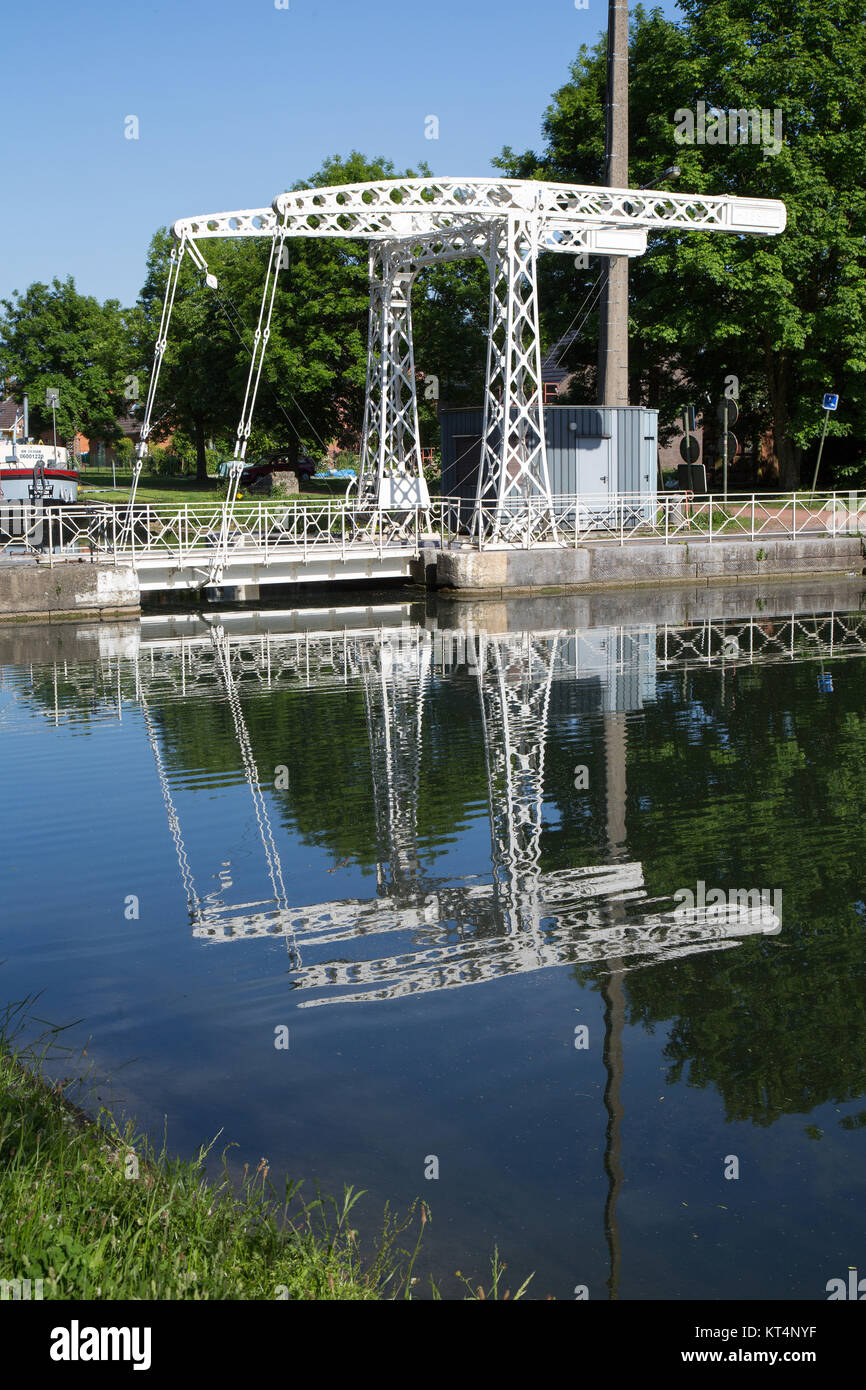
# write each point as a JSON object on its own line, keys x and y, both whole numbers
{"x": 830, "y": 401}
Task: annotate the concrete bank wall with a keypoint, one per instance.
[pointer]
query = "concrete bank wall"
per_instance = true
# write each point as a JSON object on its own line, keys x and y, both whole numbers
{"x": 31, "y": 590}
{"x": 602, "y": 565}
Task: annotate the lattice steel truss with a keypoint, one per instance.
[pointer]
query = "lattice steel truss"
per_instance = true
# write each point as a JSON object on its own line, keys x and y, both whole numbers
{"x": 412, "y": 223}
{"x": 396, "y": 681}
{"x": 390, "y": 444}
{"x": 515, "y": 678}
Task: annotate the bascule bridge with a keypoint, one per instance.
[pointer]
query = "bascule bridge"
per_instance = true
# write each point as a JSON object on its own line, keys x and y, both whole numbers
{"x": 413, "y": 223}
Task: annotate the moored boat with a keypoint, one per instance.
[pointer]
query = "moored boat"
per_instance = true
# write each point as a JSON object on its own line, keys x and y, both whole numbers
{"x": 33, "y": 472}
{"x": 36, "y": 473}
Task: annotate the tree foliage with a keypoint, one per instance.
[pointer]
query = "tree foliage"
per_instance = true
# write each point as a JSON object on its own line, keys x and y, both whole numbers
{"x": 52, "y": 336}
{"x": 785, "y": 315}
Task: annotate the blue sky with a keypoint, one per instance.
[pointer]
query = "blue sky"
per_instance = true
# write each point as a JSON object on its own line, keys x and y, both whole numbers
{"x": 237, "y": 100}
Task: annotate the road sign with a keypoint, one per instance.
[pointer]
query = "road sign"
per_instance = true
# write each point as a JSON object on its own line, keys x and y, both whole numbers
{"x": 733, "y": 445}
{"x": 727, "y": 412}
{"x": 690, "y": 449}
{"x": 52, "y": 396}
{"x": 831, "y": 401}
{"x": 692, "y": 477}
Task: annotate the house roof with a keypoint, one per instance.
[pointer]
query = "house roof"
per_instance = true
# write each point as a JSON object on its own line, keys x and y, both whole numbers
{"x": 7, "y": 413}
{"x": 129, "y": 425}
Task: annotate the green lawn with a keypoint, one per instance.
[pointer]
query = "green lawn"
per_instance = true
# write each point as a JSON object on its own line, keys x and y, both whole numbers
{"x": 96, "y": 487}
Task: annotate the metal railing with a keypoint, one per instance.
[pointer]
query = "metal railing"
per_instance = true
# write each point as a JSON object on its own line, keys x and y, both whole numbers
{"x": 166, "y": 533}
{"x": 669, "y": 517}
{"x": 268, "y": 530}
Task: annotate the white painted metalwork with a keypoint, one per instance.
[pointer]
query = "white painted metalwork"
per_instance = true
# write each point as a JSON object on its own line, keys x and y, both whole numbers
{"x": 175, "y": 262}
{"x": 416, "y": 222}
{"x": 671, "y": 517}
{"x": 513, "y": 473}
{"x": 262, "y": 542}
{"x": 398, "y": 208}
{"x": 515, "y": 676}
{"x": 390, "y": 473}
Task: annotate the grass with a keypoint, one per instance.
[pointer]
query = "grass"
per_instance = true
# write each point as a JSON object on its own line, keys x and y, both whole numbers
{"x": 96, "y": 1212}
{"x": 95, "y": 486}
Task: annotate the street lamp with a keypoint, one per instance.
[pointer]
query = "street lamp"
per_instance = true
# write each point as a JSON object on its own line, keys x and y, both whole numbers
{"x": 672, "y": 172}
{"x": 52, "y": 398}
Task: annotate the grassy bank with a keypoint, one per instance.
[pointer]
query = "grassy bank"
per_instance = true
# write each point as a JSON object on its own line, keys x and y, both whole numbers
{"x": 97, "y": 1213}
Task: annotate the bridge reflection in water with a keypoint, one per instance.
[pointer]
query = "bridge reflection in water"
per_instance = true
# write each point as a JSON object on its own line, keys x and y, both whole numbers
{"x": 418, "y": 934}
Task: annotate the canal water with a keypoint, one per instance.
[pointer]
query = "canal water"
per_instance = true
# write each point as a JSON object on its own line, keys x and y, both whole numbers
{"x": 549, "y": 912}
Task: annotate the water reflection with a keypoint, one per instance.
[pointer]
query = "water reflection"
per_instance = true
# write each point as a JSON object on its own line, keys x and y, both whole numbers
{"x": 419, "y": 933}
{"x": 669, "y": 705}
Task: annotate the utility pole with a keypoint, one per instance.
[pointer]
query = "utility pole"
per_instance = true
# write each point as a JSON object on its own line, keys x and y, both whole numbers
{"x": 613, "y": 993}
{"x": 613, "y": 336}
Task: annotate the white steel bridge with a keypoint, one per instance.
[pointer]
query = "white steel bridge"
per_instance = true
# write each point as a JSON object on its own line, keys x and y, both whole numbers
{"x": 409, "y": 224}
{"x": 413, "y": 223}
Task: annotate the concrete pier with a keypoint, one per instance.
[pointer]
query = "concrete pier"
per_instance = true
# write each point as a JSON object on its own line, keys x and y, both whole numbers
{"x": 36, "y": 590}
{"x": 676, "y": 605}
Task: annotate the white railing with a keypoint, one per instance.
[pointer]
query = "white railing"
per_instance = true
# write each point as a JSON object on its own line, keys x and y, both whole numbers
{"x": 669, "y": 517}
{"x": 164, "y": 533}
{"x": 268, "y": 531}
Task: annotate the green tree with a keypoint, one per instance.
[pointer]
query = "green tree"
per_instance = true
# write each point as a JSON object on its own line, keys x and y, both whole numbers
{"x": 450, "y": 306}
{"x": 312, "y": 387}
{"x": 785, "y": 315}
{"x": 200, "y": 371}
{"x": 53, "y": 336}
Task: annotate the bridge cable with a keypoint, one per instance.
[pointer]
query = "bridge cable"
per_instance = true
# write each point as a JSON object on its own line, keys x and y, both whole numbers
{"x": 158, "y": 356}
{"x": 222, "y": 649}
{"x": 193, "y": 901}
